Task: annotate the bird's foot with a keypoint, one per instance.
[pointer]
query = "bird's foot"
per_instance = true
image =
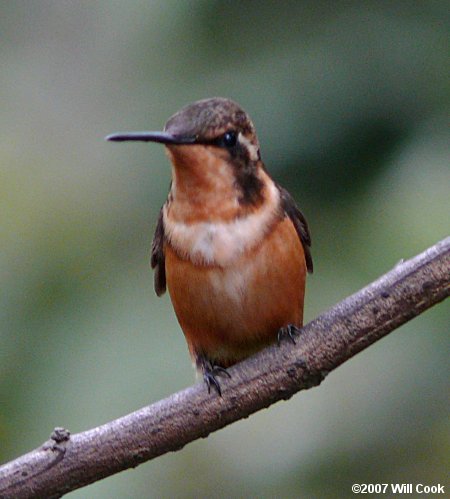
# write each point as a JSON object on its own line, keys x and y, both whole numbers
{"x": 290, "y": 331}
{"x": 210, "y": 371}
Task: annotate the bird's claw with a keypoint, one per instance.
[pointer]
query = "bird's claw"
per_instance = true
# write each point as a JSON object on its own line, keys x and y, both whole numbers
{"x": 210, "y": 371}
{"x": 289, "y": 331}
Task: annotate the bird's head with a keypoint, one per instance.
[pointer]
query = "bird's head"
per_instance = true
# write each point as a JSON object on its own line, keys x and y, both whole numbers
{"x": 211, "y": 139}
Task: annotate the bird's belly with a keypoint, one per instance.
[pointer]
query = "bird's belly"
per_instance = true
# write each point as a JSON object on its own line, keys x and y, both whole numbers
{"x": 227, "y": 313}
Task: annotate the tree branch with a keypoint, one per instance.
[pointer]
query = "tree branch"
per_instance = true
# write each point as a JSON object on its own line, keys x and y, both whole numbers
{"x": 65, "y": 463}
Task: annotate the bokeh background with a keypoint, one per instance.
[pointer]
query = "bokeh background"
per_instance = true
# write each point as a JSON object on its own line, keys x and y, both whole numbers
{"x": 351, "y": 103}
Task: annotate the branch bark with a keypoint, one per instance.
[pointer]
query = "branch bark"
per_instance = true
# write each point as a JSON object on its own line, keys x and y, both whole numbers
{"x": 65, "y": 463}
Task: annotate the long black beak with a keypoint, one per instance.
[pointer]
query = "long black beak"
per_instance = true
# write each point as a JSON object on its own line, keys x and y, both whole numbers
{"x": 160, "y": 137}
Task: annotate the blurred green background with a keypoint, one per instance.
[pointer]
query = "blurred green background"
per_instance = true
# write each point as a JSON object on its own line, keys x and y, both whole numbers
{"x": 350, "y": 100}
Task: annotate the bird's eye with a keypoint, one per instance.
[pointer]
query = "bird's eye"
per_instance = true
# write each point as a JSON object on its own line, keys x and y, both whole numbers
{"x": 229, "y": 139}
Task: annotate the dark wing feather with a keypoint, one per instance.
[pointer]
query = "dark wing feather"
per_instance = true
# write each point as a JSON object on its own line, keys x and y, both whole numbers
{"x": 300, "y": 224}
{"x": 158, "y": 261}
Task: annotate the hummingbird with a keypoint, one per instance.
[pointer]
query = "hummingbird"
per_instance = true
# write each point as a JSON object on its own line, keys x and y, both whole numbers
{"x": 230, "y": 244}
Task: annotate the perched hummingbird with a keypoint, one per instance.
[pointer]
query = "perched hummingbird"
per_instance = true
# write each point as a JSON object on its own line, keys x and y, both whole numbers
{"x": 230, "y": 244}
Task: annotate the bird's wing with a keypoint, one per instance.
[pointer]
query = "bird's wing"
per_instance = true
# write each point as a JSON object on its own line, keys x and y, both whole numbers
{"x": 158, "y": 261}
{"x": 300, "y": 224}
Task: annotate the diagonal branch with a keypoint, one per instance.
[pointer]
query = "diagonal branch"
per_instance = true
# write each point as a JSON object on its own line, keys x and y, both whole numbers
{"x": 66, "y": 463}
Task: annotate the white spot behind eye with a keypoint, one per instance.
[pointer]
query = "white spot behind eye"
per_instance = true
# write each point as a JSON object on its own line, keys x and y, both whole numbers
{"x": 251, "y": 148}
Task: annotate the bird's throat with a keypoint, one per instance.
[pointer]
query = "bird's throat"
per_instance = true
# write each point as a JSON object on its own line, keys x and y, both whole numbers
{"x": 203, "y": 186}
